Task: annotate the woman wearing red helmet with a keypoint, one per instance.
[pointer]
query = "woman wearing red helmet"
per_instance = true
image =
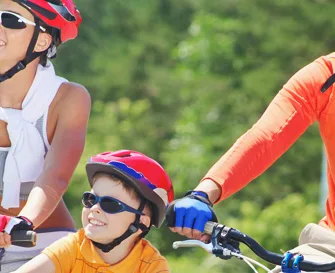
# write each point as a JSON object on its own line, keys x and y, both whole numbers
{"x": 43, "y": 121}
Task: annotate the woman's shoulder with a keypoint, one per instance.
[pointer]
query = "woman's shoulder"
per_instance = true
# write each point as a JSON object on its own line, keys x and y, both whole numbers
{"x": 74, "y": 95}
{"x": 73, "y": 90}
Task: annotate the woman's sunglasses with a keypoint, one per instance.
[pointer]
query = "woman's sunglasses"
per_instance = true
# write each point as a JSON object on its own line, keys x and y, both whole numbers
{"x": 12, "y": 20}
{"x": 108, "y": 204}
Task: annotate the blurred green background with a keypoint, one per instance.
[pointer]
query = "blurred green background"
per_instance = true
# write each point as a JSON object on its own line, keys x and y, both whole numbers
{"x": 181, "y": 80}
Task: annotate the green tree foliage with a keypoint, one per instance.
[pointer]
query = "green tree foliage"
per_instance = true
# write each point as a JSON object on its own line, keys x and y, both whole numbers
{"x": 181, "y": 80}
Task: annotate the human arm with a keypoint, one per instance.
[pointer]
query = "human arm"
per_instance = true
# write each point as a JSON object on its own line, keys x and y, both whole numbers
{"x": 62, "y": 158}
{"x": 295, "y": 107}
{"x": 40, "y": 263}
{"x": 59, "y": 257}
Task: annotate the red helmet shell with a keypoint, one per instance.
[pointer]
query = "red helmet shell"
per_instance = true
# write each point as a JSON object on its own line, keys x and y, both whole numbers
{"x": 146, "y": 175}
{"x": 64, "y": 16}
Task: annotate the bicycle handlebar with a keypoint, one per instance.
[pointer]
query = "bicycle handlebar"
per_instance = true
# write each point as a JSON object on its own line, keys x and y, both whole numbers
{"x": 227, "y": 236}
{"x": 23, "y": 238}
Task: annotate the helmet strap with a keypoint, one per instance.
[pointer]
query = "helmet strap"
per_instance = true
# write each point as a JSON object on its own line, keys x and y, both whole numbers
{"x": 30, "y": 55}
{"x": 133, "y": 227}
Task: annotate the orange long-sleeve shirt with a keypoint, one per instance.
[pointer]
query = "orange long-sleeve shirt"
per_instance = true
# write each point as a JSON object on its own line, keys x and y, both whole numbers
{"x": 299, "y": 104}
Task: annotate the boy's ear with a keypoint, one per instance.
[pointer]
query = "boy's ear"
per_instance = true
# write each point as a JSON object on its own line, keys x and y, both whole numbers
{"x": 145, "y": 219}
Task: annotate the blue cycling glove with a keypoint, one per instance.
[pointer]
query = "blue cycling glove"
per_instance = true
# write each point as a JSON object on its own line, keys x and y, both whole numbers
{"x": 191, "y": 211}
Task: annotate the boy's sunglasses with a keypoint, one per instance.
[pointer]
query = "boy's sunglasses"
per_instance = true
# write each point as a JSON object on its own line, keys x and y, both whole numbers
{"x": 12, "y": 20}
{"x": 108, "y": 204}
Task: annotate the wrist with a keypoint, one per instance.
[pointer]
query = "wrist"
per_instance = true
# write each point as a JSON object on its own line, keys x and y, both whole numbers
{"x": 18, "y": 223}
{"x": 200, "y": 196}
{"x": 211, "y": 188}
{"x": 200, "y": 193}
{"x": 25, "y": 219}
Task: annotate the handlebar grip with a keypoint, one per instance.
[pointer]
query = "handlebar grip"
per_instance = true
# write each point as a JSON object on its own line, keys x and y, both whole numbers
{"x": 23, "y": 238}
{"x": 209, "y": 227}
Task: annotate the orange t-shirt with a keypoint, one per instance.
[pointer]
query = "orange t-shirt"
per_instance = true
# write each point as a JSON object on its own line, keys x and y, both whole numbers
{"x": 299, "y": 104}
{"x": 76, "y": 254}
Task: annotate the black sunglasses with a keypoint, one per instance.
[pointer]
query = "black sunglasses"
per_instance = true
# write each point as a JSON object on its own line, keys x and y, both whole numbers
{"x": 108, "y": 204}
{"x": 12, "y": 20}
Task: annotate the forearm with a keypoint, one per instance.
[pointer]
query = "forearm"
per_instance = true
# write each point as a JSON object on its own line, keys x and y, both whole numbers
{"x": 44, "y": 198}
{"x": 40, "y": 263}
{"x": 286, "y": 118}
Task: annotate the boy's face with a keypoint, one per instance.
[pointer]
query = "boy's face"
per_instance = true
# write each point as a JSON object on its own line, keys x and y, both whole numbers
{"x": 103, "y": 227}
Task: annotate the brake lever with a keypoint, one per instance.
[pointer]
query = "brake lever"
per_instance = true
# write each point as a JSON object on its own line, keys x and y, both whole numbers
{"x": 222, "y": 252}
{"x": 220, "y": 244}
{"x": 193, "y": 243}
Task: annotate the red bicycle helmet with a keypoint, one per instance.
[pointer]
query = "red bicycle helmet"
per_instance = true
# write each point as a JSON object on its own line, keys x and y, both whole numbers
{"x": 61, "y": 14}
{"x": 146, "y": 175}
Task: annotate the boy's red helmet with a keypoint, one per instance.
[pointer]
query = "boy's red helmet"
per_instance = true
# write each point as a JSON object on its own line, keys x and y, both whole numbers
{"x": 61, "y": 14}
{"x": 146, "y": 175}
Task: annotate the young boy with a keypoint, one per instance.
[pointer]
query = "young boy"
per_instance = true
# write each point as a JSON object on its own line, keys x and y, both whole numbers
{"x": 130, "y": 192}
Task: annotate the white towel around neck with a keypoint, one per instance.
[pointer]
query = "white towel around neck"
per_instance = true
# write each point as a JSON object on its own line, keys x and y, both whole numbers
{"x": 25, "y": 159}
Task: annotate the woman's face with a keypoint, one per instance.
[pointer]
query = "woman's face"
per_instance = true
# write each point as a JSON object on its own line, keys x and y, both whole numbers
{"x": 14, "y": 42}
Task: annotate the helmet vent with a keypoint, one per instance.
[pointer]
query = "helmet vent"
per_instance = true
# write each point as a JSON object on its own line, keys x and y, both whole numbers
{"x": 48, "y": 14}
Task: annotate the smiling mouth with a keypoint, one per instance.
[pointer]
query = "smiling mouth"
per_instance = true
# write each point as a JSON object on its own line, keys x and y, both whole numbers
{"x": 2, "y": 43}
{"x": 95, "y": 222}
